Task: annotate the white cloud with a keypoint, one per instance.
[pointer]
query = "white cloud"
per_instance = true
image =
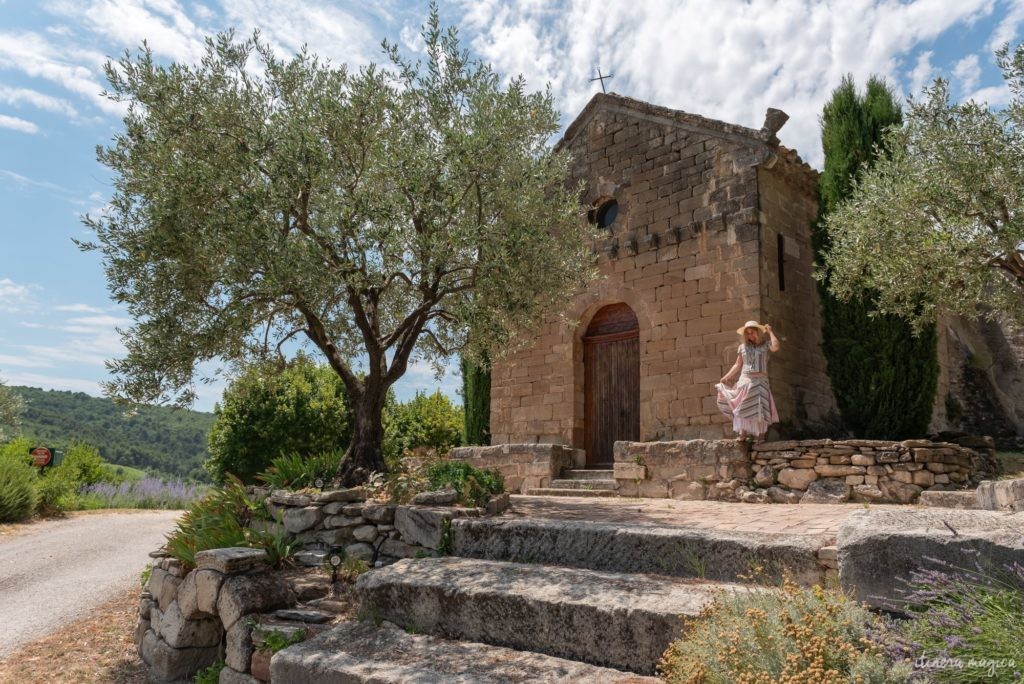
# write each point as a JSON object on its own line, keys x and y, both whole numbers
{"x": 13, "y": 296}
{"x": 163, "y": 24}
{"x": 1009, "y": 27}
{"x": 923, "y": 73}
{"x": 16, "y": 96}
{"x": 16, "y": 124}
{"x": 993, "y": 96}
{"x": 54, "y": 383}
{"x": 968, "y": 72}
{"x": 7, "y": 360}
{"x": 329, "y": 31}
{"x": 100, "y": 321}
{"x": 79, "y": 308}
{"x": 724, "y": 59}
{"x": 29, "y": 324}
{"x": 38, "y": 57}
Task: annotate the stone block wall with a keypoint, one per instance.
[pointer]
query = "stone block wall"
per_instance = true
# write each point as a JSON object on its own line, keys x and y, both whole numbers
{"x": 789, "y": 294}
{"x": 523, "y": 466}
{"x": 189, "y": 619}
{"x": 808, "y": 471}
{"x": 683, "y": 253}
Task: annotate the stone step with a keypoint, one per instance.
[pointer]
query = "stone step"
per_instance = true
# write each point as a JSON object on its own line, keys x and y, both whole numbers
{"x": 614, "y": 620}
{"x": 362, "y": 653}
{"x": 591, "y": 484}
{"x": 587, "y": 474}
{"x": 552, "y": 491}
{"x": 720, "y": 555}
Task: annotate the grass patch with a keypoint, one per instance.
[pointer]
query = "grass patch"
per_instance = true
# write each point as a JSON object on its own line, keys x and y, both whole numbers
{"x": 1012, "y": 462}
{"x": 122, "y": 473}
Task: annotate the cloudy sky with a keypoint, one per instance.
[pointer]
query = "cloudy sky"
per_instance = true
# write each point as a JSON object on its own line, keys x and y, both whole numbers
{"x": 725, "y": 59}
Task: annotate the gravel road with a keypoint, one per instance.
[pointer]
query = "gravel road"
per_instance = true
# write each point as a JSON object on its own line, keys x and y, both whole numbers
{"x": 61, "y": 569}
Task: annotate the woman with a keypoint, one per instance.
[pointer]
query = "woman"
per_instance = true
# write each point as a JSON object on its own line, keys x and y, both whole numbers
{"x": 750, "y": 403}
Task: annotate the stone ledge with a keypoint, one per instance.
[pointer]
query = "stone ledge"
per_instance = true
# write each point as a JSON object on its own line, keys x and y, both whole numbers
{"x": 360, "y": 653}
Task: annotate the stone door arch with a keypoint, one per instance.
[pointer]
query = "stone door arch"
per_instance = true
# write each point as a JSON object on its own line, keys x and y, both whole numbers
{"x": 611, "y": 382}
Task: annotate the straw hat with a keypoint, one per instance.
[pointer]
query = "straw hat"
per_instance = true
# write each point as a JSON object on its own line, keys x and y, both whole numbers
{"x": 751, "y": 324}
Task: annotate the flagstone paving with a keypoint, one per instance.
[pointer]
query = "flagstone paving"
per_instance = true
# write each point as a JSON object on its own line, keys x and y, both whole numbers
{"x": 706, "y": 515}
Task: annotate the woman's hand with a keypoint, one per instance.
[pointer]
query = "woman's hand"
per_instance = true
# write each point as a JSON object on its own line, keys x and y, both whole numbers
{"x": 768, "y": 329}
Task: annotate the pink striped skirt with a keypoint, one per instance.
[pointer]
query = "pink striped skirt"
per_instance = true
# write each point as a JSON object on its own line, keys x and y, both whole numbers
{"x": 749, "y": 403}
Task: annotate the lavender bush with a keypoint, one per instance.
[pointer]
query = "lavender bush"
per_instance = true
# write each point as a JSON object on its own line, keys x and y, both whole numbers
{"x": 967, "y": 621}
{"x": 149, "y": 492}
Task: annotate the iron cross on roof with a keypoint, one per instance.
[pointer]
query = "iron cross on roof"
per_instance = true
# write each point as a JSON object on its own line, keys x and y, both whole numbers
{"x": 601, "y": 77}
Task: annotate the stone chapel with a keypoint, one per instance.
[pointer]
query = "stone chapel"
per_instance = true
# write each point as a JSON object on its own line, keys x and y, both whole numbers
{"x": 702, "y": 225}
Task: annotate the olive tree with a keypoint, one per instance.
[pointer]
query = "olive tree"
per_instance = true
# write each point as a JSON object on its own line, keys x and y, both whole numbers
{"x": 12, "y": 406}
{"x": 937, "y": 224}
{"x": 379, "y": 215}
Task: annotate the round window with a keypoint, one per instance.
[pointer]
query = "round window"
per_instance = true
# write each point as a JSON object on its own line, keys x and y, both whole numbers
{"x": 605, "y": 213}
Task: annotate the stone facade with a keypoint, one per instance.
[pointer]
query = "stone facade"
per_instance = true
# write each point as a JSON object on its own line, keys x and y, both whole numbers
{"x": 807, "y": 471}
{"x": 704, "y": 209}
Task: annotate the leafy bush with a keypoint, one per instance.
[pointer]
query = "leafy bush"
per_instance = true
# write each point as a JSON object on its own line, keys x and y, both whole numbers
{"x": 18, "y": 493}
{"x": 292, "y": 471}
{"x": 210, "y": 675}
{"x": 220, "y": 520}
{"x": 793, "y": 635}
{"x": 277, "y": 640}
{"x": 424, "y": 422}
{"x": 269, "y": 411}
{"x": 970, "y": 621}
{"x": 58, "y": 491}
{"x": 83, "y": 464}
{"x": 17, "y": 450}
{"x": 475, "y": 486}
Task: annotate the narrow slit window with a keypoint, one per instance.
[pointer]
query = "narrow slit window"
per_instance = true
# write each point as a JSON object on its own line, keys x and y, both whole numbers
{"x": 782, "y": 262}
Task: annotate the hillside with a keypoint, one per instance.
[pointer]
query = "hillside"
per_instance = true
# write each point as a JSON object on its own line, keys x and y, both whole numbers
{"x": 164, "y": 440}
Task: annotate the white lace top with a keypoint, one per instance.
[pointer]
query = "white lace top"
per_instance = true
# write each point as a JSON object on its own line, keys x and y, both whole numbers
{"x": 755, "y": 357}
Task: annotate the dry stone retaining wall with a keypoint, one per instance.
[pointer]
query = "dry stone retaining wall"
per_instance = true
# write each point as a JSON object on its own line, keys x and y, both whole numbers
{"x": 808, "y": 471}
{"x": 523, "y": 466}
{"x": 190, "y": 619}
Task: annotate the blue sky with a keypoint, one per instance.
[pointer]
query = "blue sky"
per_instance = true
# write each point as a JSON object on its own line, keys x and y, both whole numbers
{"x": 720, "y": 58}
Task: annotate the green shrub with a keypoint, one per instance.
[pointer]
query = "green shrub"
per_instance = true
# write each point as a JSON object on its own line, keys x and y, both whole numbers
{"x": 269, "y": 411}
{"x": 476, "y": 402}
{"x": 58, "y": 491}
{"x": 475, "y": 486}
{"x": 792, "y": 635}
{"x": 292, "y": 471}
{"x": 221, "y": 520}
{"x": 277, "y": 640}
{"x": 970, "y": 616}
{"x": 425, "y": 422}
{"x": 83, "y": 464}
{"x": 17, "y": 450}
{"x": 210, "y": 675}
{"x": 18, "y": 490}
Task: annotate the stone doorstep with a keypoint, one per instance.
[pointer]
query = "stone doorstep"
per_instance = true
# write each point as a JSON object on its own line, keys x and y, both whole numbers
{"x": 357, "y": 653}
{"x": 618, "y": 620}
{"x": 591, "y": 484}
{"x": 550, "y": 491}
{"x": 587, "y": 474}
{"x": 714, "y": 554}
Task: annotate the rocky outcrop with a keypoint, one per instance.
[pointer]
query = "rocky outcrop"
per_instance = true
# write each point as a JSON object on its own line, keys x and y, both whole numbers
{"x": 877, "y": 548}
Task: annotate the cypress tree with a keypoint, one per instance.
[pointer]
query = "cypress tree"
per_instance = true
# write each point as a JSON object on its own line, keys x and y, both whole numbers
{"x": 884, "y": 377}
{"x": 476, "y": 398}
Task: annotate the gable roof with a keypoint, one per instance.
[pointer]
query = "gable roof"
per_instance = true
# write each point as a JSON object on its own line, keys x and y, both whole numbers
{"x": 764, "y": 138}
{"x": 646, "y": 110}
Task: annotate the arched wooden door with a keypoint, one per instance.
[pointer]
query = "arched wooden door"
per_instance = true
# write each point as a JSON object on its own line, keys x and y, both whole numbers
{"x": 611, "y": 382}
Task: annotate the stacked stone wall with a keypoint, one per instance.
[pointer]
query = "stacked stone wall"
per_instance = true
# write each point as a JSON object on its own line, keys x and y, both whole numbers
{"x": 190, "y": 619}
{"x": 808, "y": 471}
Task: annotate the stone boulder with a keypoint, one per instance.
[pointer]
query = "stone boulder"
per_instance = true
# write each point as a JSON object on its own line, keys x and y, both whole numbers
{"x": 764, "y": 477}
{"x": 244, "y": 594}
{"x": 232, "y": 560}
{"x": 797, "y": 478}
{"x": 343, "y": 495}
{"x": 301, "y": 519}
{"x": 178, "y": 632}
{"x": 827, "y": 491}
{"x": 784, "y": 496}
{"x": 1001, "y": 495}
{"x": 878, "y": 546}
{"x": 441, "y": 497}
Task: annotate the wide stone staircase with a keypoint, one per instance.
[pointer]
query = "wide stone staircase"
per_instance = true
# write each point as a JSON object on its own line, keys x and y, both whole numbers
{"x": 579, "y": 482}
{"x": 540, "y": 600}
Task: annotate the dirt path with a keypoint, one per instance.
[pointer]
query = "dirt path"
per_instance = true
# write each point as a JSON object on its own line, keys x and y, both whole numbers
{"x": 63, "y": 569}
